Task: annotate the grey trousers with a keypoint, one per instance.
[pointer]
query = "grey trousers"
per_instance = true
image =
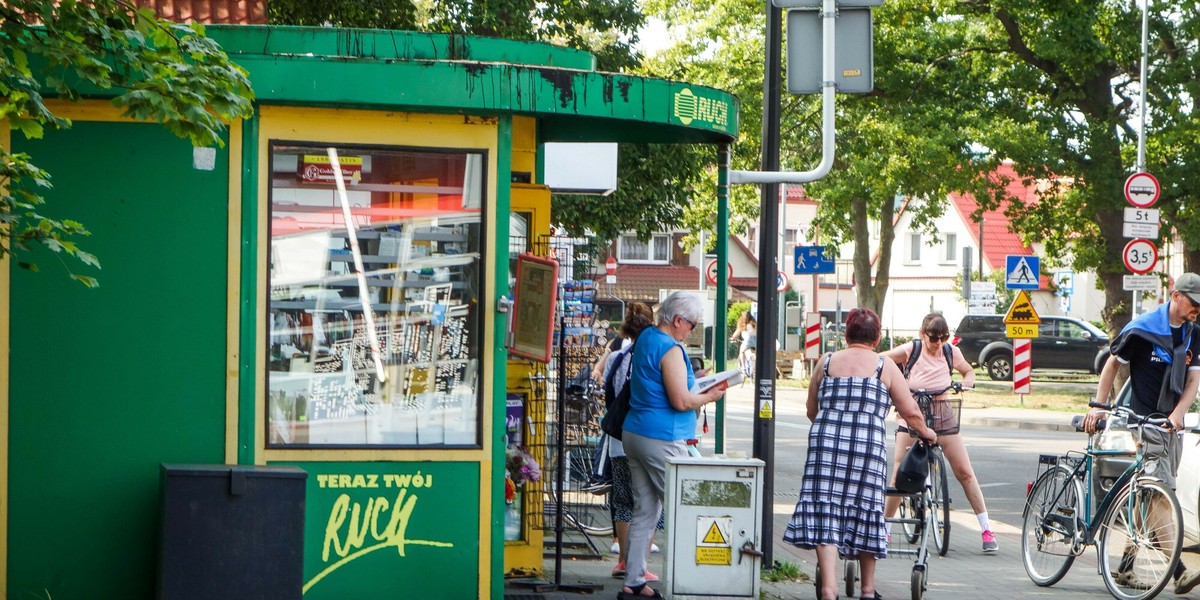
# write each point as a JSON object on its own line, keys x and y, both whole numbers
{"x": 648, "y": 469}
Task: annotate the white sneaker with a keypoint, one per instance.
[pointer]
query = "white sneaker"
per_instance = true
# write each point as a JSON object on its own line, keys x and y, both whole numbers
{"x": 654, "y": 547}
{"x": 616, "y": 548}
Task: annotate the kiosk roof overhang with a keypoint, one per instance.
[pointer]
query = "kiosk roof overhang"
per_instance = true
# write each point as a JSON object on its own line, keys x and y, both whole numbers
{"x": 398, "y": 70}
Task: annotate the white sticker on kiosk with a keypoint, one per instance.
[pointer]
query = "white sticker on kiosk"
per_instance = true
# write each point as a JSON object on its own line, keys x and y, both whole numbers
{"x": 713, "y": 541}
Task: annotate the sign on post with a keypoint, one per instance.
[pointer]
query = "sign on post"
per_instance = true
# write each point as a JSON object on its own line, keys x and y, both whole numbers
{"x": 1022, "y": 272}
{"x": 812, "y": 336}
{"x": 710, "y": 271}
{"x": 1142, "y": 190}
{"x": 610, "y": 267}
{"x": 1140, "y": 256}
{"x": 983, "y": 298}
{"x": 1022, "y": 363}
{"x": 811, "y": 260}
{"x": 1140, "y": 222}
{"x": 781, "y": 281}
{"x": 1022, "y": 319}
{"x": 854, "y": 52}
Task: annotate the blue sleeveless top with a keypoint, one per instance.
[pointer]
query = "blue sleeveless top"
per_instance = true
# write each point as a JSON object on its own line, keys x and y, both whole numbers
{"x": 650, "y": 413}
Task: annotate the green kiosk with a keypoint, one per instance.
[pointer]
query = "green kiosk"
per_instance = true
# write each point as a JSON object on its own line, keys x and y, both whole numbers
{"x": 324, "y": 294}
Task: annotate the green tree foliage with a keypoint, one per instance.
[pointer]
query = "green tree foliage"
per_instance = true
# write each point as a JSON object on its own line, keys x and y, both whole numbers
{"x": 374, "y": 14}
{"x": 160, "y": 71}
{"x": 908, "y": 138}
{"x": 1062, "y": 96}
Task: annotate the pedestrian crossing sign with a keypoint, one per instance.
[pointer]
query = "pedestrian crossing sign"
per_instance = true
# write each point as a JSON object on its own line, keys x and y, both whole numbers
{"x": 1022, "y": 272}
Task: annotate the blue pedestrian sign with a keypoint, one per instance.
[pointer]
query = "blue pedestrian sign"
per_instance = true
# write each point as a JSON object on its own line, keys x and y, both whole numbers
{"x": 811, "y": 260}
{"x": 1022, "y": 272}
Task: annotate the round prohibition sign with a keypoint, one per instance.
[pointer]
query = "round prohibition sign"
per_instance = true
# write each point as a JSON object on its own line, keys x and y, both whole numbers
{"x": 1142, "y": 190}
{"x": 1140, "y": 256}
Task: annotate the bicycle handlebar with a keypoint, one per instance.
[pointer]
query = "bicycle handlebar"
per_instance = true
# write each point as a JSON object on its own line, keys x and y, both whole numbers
{"x": 956, "y": 387}
{"x": 1134, "y": 419}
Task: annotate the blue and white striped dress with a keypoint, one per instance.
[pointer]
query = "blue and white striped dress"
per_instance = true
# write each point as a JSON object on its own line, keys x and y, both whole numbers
{"x": 842, "y": 494}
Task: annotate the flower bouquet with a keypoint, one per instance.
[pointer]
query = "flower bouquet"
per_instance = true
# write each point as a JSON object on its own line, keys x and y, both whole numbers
{"x": 522, "y": 467}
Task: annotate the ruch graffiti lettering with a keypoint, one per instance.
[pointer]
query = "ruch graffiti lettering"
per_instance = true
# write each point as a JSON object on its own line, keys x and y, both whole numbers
{"x": 350, "y": 523}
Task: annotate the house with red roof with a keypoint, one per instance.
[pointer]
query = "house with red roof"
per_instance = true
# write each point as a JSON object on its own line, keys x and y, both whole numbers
{"x": 926, "y": 268}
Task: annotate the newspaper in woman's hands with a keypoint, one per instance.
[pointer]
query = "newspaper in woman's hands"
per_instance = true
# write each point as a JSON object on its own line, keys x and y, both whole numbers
{"x": 731, "y": 377}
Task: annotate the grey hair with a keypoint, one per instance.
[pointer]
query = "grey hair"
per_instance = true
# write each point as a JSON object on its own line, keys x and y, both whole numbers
{"x": 680, "y": 304}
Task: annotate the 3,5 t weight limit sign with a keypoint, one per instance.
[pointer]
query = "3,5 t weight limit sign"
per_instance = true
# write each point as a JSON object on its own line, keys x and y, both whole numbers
{"x": 1140, "y": 256}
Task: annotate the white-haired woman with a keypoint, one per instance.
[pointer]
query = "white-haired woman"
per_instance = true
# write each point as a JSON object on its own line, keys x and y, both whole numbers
{"x": 661, "y": 419}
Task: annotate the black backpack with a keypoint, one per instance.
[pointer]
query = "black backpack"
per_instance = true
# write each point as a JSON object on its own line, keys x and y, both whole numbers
{"x": 916, "y": 353}
{"x": 617, "y": 401}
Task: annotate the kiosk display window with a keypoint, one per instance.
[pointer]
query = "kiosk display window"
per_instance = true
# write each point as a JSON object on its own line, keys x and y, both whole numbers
{"x": 375, "y": 277}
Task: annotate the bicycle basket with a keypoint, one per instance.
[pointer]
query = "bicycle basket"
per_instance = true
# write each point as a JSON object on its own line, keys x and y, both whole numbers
{"x": 942, "y": 416}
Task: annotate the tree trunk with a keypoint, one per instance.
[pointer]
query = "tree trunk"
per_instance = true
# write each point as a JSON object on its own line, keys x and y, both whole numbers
{"x": 871, "y": 291}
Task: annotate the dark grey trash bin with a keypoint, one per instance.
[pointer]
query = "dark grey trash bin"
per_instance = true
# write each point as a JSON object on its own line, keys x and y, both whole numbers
{"x": 230, "y": 531}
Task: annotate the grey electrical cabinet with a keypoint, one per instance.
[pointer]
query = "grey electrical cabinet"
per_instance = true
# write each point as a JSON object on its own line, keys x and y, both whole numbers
{"x": 714, "y": 528}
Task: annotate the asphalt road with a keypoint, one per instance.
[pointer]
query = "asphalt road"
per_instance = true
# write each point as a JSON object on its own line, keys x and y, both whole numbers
{"x": 1005, "y": 461}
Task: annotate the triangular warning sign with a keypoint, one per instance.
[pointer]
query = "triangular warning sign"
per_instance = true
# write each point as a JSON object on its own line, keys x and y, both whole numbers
{"x": 1022, "y": 312}
{"x": 714, "y": 535}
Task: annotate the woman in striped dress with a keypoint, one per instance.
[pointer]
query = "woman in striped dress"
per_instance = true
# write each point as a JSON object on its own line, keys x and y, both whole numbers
{"x": 842, "y": 494}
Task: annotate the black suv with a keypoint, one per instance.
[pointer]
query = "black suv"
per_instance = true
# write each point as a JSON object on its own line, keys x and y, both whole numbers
{"x": 1063, "y": 343}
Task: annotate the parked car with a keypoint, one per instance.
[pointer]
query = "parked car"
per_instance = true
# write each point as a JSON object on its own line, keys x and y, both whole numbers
{"x": 1063, "y": 343}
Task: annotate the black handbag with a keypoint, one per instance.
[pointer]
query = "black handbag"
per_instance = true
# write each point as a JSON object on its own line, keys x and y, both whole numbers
{"x": 914, "y": 469}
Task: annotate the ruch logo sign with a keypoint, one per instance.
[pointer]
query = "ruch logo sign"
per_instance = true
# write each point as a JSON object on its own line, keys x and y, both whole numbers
{"x": 354, "y": 530}
{"x": 689, "y": 107}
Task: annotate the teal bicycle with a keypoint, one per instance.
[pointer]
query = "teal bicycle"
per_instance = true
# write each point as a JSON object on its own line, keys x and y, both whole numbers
{"x": 1137, "y": 526}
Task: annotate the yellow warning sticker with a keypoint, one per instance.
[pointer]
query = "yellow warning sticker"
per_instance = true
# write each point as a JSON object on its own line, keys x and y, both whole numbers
{"x": 707, "y": 555}
{"x": 714, "y": 535}
{"x": 764, "y": 411}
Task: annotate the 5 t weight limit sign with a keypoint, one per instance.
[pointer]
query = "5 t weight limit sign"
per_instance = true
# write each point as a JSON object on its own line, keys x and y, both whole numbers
{"x": 1140, "y": 256}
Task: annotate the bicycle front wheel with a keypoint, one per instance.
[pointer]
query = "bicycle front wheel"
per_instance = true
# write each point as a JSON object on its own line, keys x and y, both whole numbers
{"x": 1051, "y": 526}
{"x": 912, "y": 519}
{"x": 1140, "y": 539}
{"x": 941, "y": 503}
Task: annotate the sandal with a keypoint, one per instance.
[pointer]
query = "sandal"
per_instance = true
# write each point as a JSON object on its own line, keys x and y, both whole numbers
{"x": 636, "y": 592}
{"x": 874, "y": 596}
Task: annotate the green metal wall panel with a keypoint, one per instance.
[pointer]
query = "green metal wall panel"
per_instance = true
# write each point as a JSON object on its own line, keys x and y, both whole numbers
{"x": 393, "y": 45}
{"x": 107, "y": 383}
{"x": 391, "y": 530}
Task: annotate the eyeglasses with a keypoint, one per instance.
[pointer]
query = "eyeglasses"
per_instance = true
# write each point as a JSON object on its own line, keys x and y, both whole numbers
{"x": 690, "y": 322}
{"x": 937, "y": 338}
{"x": 1195, "y": 304}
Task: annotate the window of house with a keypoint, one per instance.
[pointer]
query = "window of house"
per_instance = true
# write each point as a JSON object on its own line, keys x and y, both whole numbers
{"x": 656, "y": 250}
{"x": 914, "y": 248}
{"x": 374, "y": 328}
{"x": 950, "y": 248}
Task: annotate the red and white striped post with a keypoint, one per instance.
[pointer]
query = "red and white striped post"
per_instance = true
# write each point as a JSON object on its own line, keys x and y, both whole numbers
{"x": 812, "y": 336}
{"x": 1022, "y": 359}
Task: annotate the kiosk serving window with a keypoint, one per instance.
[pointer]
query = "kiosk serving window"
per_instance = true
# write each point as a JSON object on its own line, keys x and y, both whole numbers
{"x": 374, "y": 323}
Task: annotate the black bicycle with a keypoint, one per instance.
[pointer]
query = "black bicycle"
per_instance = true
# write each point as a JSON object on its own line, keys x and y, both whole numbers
{"x": 942, "y": 416}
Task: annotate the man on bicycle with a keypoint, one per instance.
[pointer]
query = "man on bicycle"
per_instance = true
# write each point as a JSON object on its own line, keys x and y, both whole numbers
{"x": 1159, "y": 348}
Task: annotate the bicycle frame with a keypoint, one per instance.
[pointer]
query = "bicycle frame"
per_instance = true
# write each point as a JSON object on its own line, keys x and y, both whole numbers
{"x": 1083, "y": 471}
